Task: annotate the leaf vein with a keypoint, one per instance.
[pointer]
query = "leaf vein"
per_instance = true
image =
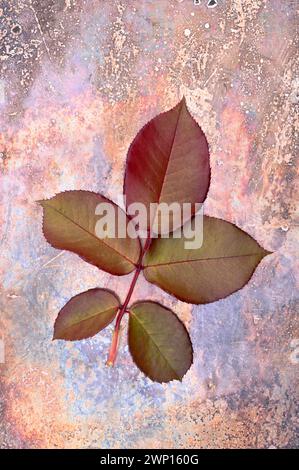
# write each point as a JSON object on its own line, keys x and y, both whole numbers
{"x": 197, "y": 260}
{"x": 65, "y": 330}
{"x": 157, "y": 347}
{"x": 91, "y": 234}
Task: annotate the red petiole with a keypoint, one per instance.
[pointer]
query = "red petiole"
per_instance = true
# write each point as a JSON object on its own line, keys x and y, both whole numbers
{"x": 115, "y": 338}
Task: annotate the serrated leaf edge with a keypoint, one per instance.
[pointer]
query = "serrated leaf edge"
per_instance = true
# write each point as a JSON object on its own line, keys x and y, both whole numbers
{"x": 173, "y": 313}
{"x": 183, "y": 100}
{"x": 86, "y": 319}
{"x": 41, "y": 201}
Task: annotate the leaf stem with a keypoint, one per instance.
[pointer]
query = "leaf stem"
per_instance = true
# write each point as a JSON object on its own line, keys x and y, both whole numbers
{"x": 123, "y": 309}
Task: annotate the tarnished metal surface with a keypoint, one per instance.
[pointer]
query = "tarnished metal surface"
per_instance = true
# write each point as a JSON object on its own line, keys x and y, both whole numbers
{"x": 78, "y": 79}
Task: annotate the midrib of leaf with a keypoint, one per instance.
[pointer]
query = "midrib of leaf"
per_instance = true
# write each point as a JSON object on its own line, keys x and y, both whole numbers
{"x": 170, "y": 153}
{"x": 99, "y": 240}
{"x": 198, "y": 260}
{"x": 102, "y": 312}
{"x": 157, "y": 347}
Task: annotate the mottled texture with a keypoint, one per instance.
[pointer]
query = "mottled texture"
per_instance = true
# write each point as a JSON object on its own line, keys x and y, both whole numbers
{"x": 78, "y": 80}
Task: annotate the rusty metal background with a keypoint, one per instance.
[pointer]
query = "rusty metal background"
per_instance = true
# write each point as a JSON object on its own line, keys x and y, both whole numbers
{"x": 78, "y": 80}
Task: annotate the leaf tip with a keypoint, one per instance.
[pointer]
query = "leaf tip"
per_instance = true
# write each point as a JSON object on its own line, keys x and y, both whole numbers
{"x": 183, "y": 101}
{"x": 266, "y": 253}
{"x": 40, "y": 202}
{"x": 173, "y": 379}
{"x": 56, "y": 334}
